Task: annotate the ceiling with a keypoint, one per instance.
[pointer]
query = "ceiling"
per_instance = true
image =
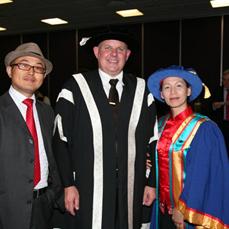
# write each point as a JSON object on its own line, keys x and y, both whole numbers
{"x": 23, "y": 16}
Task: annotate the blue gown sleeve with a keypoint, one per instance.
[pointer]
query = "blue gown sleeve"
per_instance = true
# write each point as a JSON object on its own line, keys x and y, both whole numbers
{"x": 204, "y": 199}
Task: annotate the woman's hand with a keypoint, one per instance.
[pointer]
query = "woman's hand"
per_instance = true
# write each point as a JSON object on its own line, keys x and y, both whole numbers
{"x": 178, "y": 218}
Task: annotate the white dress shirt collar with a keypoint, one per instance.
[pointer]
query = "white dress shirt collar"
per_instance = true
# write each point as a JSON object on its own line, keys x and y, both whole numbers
{"x": 19, "y": 97}
{"x": 106, "y": 78}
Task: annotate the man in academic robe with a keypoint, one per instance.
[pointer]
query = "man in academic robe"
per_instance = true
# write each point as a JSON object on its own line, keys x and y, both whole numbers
{"x": 105, "y": 123}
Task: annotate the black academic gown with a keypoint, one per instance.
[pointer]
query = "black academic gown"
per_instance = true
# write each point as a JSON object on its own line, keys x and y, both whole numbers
{"x": 74, "y": 149}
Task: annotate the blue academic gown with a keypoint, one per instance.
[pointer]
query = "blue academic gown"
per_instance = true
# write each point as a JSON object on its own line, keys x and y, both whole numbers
{"x": 204, "y": 199}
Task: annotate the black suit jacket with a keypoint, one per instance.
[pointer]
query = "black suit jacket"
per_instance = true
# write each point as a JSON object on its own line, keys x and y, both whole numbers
{"x": 16, "y": 163}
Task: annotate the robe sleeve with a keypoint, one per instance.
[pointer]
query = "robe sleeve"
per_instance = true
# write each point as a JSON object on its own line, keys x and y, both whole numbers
{"x": 152, "y": 130}
{"x": 153, "y": 133}
{"x": 65, "y": 111}
{"x": 204, "y": 199}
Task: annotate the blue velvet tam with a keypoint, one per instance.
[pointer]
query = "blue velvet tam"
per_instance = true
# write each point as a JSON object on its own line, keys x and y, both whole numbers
{"x": 189, "y": 75}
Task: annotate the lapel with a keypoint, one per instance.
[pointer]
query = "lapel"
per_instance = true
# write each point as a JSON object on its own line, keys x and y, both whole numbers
{"x": 43, "y": 126}
{"x": 125, "y": 109}
{"x": 14, "y": 113}
{"x": 127, "y": 97}
{"x": 100, "y": 97}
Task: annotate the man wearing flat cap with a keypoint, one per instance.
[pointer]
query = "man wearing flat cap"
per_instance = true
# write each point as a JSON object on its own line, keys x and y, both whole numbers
{"x": 29, "y": 182}
{"x": 104, "y": 124}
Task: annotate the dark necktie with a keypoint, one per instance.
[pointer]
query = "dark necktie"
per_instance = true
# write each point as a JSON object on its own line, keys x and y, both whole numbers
{"x": 32, "y": 128}
{"x": 113, "y": 94}
{"x": 114, "y": 101}
{"x": 227, "y": 106}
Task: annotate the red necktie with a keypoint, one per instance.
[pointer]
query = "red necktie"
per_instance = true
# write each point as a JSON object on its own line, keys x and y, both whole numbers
{"x": 32, "y": 128}
{"x": 227, "y": 106}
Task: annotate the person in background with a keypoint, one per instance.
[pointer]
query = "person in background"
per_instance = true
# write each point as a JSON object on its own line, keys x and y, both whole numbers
{"x": 192, "y": 163}
{"x": 29, "y": 181}
{"x": 104, "y": 123}
{"x": 220, "y": 107}
{"x": 43, "y": 98}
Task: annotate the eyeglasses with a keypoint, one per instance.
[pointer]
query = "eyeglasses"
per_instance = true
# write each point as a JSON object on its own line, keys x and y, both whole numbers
{"x": 27, "y": 67}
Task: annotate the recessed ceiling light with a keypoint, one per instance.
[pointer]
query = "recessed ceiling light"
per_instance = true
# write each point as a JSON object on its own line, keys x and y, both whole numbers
{"x": 54, "y": 21}
{"x": 5, "y": 1}
{"x": 219, "y": 3}
{"x": 129, "y": 13}
{"x": 2, "y": 29}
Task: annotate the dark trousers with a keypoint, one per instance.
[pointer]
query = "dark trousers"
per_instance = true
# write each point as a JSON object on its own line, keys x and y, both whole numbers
{"x": 117, "y": 221}
{"x": 42, "y": 211}
{"x": 166, "y": 221}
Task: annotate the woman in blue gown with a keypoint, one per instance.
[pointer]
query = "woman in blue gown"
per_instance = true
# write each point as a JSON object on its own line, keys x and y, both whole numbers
{"x": 192, "y": 165}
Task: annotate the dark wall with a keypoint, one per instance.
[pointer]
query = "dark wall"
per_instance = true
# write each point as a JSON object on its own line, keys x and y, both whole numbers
{"x": 225, "y": 63}
{"x": 201, "y": 48}
{"x": 6, "y": 45}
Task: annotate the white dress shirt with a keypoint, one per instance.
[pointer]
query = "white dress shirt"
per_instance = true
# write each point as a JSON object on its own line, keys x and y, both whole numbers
{"x": 106, "y": 85}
